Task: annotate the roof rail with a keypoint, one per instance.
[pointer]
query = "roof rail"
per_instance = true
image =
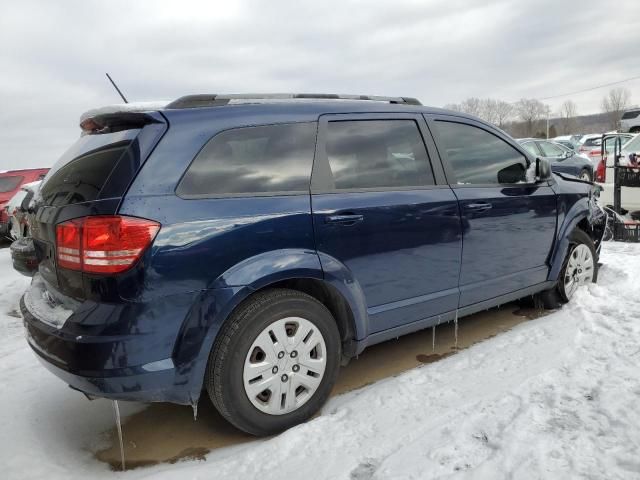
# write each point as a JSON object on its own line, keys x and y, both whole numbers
{"x": 212, "y": 100}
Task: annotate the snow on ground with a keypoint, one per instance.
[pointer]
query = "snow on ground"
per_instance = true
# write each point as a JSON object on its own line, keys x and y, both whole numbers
{"x": 556, "y": 398}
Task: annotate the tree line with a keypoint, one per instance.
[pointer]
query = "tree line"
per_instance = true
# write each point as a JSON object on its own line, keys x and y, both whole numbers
{"x": 527, "y": 116}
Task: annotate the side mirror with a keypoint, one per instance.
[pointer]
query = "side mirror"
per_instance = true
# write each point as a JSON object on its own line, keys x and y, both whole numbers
{"x": 543, "y": 170}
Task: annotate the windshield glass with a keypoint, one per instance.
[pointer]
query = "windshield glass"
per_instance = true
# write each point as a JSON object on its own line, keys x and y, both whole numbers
{"x": 7, "y": 184}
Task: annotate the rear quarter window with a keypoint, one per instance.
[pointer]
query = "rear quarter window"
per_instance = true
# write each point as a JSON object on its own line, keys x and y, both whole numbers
{"x": 267, "y": 159}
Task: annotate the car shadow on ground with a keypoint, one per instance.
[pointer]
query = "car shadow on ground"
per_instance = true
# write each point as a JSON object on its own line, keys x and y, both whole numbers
{"x": 166, "y": 433}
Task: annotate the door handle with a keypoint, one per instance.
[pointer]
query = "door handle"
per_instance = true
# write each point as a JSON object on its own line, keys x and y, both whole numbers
{"x": 344, "y": 219}
{"x": 478, "y": 207}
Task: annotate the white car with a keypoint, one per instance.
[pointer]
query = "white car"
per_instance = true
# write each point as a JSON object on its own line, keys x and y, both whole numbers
{"x": 630, "y": 121}
{"x": 18, "y": 207}
{"x": 591, "y": 145}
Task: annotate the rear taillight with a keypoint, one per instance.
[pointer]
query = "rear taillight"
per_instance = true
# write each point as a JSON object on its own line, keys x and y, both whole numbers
{"x": 601, "y": 172}
{"x": 594, "y": 153}
{"x": 103, "y": 244}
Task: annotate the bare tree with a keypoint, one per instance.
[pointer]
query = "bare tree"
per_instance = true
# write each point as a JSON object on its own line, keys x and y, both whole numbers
{"x": 472, "y": 106}
{"x": 614, "y": 104}
{"x": 493, "y": 111}
{"x": 504, "y": 112}
{"x": 530, "y": 111}
{"x": 488, "y": 110}
{"x": 568, "y": 114}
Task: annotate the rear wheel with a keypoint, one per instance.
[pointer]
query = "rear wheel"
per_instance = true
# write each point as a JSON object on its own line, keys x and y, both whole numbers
{"x": 274, "y": 362}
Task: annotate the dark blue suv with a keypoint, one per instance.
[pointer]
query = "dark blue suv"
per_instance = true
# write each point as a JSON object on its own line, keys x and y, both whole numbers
{"x": 248, "y": 245}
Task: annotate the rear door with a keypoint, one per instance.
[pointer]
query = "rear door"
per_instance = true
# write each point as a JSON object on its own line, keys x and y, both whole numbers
{"x": 382, "y": 209}
{"x": 509, "y": 224}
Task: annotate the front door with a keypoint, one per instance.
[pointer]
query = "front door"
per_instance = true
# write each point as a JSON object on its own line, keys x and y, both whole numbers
{"x": 509, "y": 221}
{"x": 378, "y": 211}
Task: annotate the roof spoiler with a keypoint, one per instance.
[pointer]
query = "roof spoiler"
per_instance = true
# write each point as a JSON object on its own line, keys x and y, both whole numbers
{"x": 115, "y": 122}
{"x": 117, "y": 117}
{"x": 213, "y": 100}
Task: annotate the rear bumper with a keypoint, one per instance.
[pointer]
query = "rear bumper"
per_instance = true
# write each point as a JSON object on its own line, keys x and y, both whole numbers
{"x": 107, "y": 350}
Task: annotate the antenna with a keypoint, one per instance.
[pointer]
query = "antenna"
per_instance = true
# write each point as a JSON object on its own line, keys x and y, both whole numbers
{"x": 116, "y": 87}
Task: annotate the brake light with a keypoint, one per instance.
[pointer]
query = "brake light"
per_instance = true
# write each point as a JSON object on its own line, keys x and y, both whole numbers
{"x": 104, "y": 243}
{"x": 601, "y": 172}
{"x": 593, "y": 153}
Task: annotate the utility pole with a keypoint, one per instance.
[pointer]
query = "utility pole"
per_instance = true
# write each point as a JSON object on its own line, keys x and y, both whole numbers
{"x": 548, "y": 113}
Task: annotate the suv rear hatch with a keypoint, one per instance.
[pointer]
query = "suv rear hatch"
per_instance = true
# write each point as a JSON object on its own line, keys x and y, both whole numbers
{"x": 90, "y": 179}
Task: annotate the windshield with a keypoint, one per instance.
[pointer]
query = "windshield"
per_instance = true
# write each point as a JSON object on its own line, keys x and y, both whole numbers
{"x": 8, "y": 184}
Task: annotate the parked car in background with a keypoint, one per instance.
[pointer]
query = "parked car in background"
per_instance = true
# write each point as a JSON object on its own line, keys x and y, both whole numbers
{"x": 630, "y": 121}
{"x": 11, "y": 208}
{"x": 10, "y": 183}
{"x": 565, "y": 143}
{"x": 591, "y": 145}
{"x": 561, "y": 158}
{"x": 604, "y": 169}
{"x": 18, "y": 210}
{"x": 246, "y": 250}
{"x": 569, "y": 141}
{"x": 629, "y": 154}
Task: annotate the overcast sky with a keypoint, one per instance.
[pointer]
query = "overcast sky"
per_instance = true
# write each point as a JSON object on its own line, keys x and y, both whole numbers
{"x": 53, "y": 55}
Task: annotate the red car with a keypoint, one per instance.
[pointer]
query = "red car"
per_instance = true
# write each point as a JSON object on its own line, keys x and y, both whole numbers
{"x": 10, "y": 183}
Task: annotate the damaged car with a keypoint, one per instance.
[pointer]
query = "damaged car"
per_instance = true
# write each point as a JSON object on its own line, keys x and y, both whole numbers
{"x": 239, "y": 248}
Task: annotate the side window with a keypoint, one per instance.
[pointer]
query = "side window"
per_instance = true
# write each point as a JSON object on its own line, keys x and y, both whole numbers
{"x": 377, "y": 154}
{"x": 531, "y": 148}
{"x": 479, "y": 157}
{"x": 264, "y": 159}
{"x": 550, "y": 150}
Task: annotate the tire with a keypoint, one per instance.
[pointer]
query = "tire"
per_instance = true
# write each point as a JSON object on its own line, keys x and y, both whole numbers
{"x": 579, "y": 240}
{"x": 231, "y": 381}
{"x": 555, "y": 297}
{"x": 585, "y": 174}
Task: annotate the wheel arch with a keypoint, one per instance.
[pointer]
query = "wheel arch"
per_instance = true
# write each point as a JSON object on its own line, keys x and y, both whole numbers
{"x": 576, "y": 217}
{"x": 299, "y": 270}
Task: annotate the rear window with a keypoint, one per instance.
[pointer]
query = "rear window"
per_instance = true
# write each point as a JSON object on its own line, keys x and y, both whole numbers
{"x": 593, "y": 142}
{"x": 628, "y": 115}
{"x": 83, "y": 170}
{"x": 8, "y": 184}
{"x": 268, "y": 159}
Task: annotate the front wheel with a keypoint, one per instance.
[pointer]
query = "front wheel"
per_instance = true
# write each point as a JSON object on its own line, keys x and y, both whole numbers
{"x": 585, "y": 175}
{"x": 274, "y": 362}
{"x": 580, "y": 267}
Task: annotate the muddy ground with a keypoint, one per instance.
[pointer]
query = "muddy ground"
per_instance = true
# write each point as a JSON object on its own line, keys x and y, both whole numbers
{"x": 165, "y": 433}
